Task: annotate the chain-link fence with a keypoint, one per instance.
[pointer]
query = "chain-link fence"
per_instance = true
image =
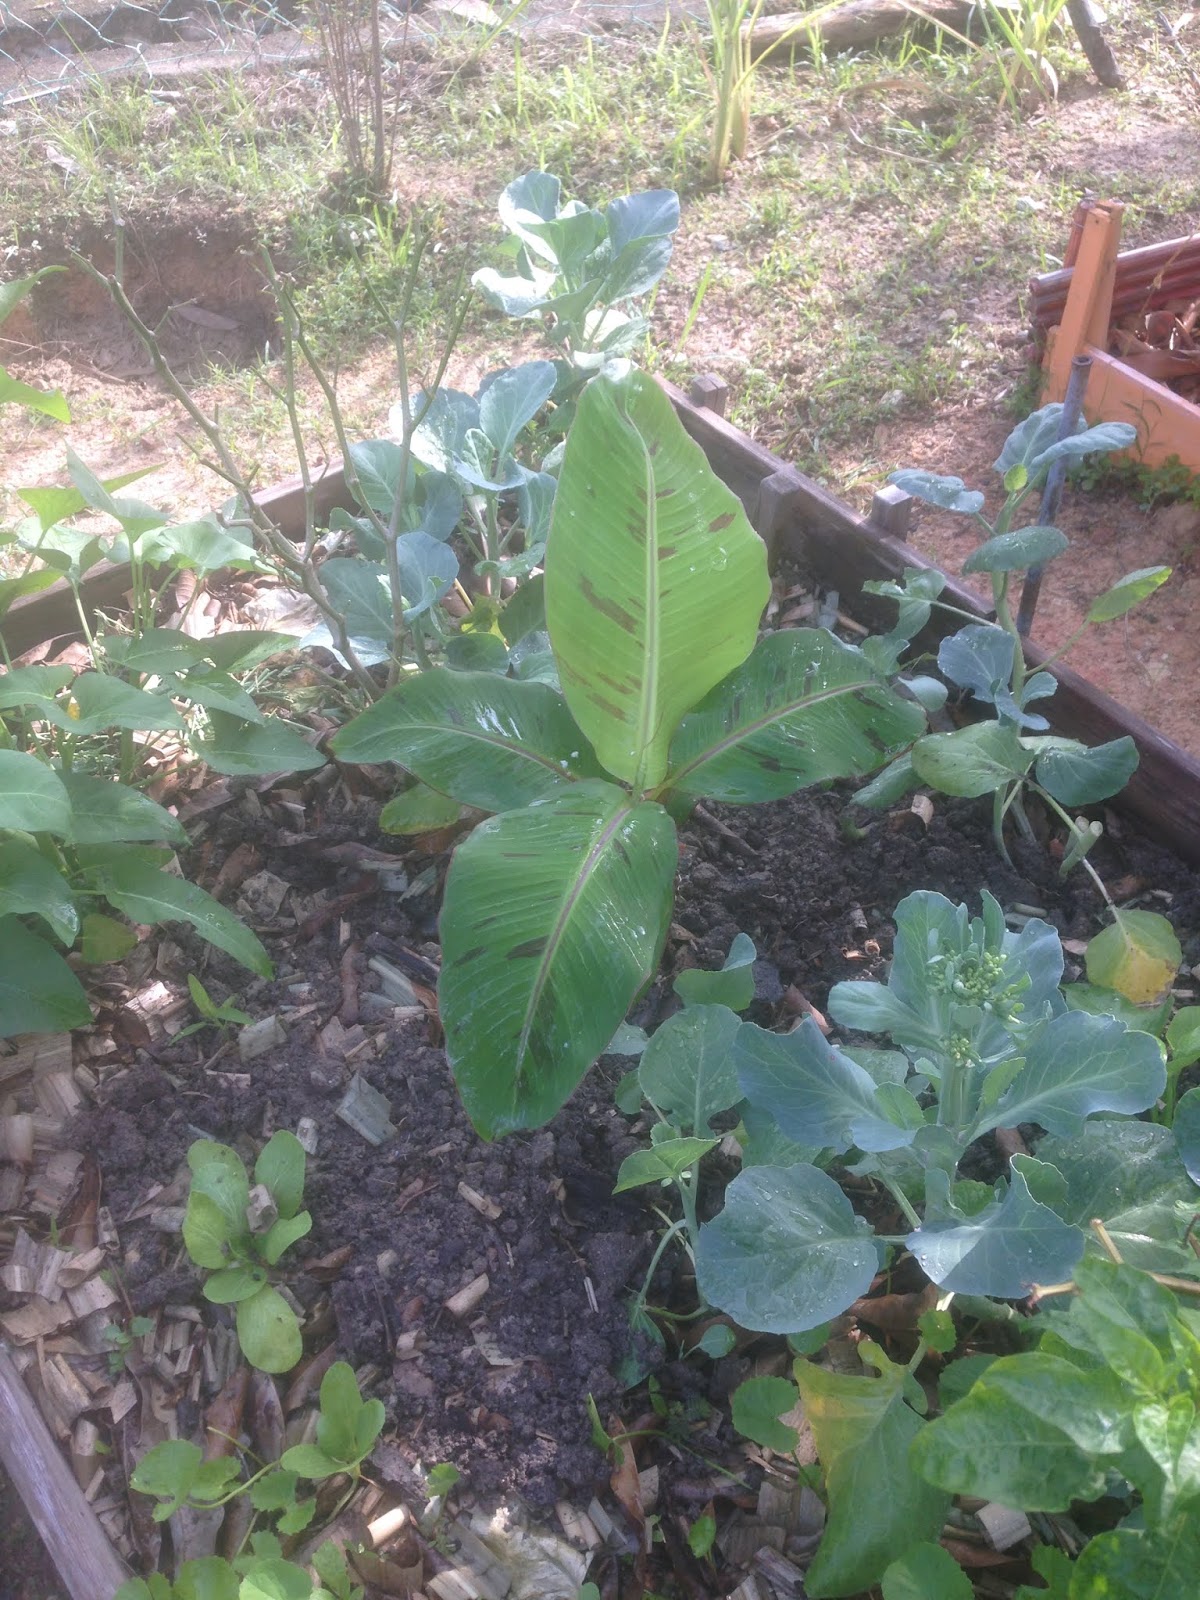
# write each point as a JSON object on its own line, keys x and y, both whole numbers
{"x": 46, "y": 48}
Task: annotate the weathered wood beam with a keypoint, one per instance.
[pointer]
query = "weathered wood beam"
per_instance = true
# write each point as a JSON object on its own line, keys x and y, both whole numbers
{"x": 850, "y": 26}
{"x": 70, "y": 1530}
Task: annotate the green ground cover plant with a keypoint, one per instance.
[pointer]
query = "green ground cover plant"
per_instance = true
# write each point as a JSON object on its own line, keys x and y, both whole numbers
{"x": 1105, "y": 1405}
{"x": 976, "y": 1036}
{"x": 238, "y": 1232}
{"x": 78, "y": 841}
{"x": 175, "y": 1474}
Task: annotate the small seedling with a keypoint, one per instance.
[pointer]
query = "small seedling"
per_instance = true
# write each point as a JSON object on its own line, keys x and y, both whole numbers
{"x": 175, "y": 1473}
{"x": 241, "y": 1233}
{"x": 214, "y": 1015}
{"x": 259, "y": 1573}
{"x": 439, "y": 1481}
{"x": 702, "y": 1536}
{"x": 121, "y": 1340}
{"x": 346, "y": 1429}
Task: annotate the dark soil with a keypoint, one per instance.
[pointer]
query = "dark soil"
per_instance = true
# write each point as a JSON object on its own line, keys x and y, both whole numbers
{"x": 818, "y": 908}
{"x": 26, "y": 1571}
{"x": 815, "y": 901}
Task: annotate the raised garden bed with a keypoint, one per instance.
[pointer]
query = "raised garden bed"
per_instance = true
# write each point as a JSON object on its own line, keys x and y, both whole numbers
{"x": 397, "y": 1237}
{"x": 1132, "y": 313}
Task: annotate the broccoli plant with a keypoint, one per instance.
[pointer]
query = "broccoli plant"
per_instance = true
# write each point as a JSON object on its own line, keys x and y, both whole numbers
{"x": 1012, "y": 752}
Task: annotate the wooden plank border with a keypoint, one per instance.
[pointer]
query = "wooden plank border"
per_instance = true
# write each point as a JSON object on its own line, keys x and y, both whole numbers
{"x": 1166, "y": 423}
{"x": 845, "y": 550}
{"x": 70, "y": 1530}
{"x": 52, "y": 614}
{"x": 800, "y": 520}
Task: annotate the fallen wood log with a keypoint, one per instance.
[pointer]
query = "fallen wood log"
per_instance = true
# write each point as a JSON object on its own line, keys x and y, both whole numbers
{"x": 851, "y": 26}
{"x": 87, "y": 1563}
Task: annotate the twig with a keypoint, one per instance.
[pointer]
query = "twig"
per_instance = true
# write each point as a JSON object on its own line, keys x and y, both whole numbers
{"x": 264, "y": 528}
{"x": 738, "y": 843}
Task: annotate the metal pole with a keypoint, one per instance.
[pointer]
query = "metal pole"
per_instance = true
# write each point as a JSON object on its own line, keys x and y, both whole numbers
{"x": 1072, "y": 406}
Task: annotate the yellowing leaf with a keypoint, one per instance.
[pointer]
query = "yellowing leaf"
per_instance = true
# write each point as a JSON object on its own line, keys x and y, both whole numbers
{"x": 1138, "y": 956}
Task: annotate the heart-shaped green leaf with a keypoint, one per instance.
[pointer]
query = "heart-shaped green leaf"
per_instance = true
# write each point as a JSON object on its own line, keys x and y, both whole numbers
{"x": 687, "y": 1070}
{"x": 786, "y": 1253}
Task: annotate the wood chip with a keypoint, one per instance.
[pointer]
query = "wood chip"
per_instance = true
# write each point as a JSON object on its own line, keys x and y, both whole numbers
{"x": 743, "y": 1537}
{"x": 261, "y": 1211}
{"x": 94, "y": 1295}
{"x": 491, "y": 1351}
{"x": 783, "y": 1575}
{"x": 36, "y": 1319}
{"x": 485, "y": 1207}
{"x": 393, "y": 982}
{"x": 388, "y": 1524}
{"x": 455, "y": 1585}
{"x": 468, "y": 1297}
{"x": 106, "y": 1230}
{"x": 81, "y": 1266}
{"x": 366, "y": 1111}
{"x": 261, "y": 897}
{"x": 259, "y": 1037}
{"x": 63, "y": 1389}
{"x": 44, "y": 1261}
{"x": 339, "y": 1041}
{"x": 922, "y": 806}
{"x": 577, "y": 1525}
{"x": 85, "y": 1449}
{"x": 16, "y": 1138}
{"x": 167, "y": 1219}
{"x": 12, "y": 1187}
{"x": 601, "y": 1521}
{"x": 58, "y": 1094}
{"x": 1003, "y": 1527}
{"x": 54, "y": 1184}
{"x": 778, "y": 1503}
{"x": 36, "y": 1054}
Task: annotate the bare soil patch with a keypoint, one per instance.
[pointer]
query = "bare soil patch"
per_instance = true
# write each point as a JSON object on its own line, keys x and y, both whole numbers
{"x": 196, "y": 286}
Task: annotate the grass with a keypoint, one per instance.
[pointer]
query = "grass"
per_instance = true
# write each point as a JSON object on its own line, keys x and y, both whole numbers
{"x": 857, "y": 269}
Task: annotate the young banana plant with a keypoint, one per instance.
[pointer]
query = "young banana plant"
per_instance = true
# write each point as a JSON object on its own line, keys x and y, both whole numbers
{"x": 557, "y": 907}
